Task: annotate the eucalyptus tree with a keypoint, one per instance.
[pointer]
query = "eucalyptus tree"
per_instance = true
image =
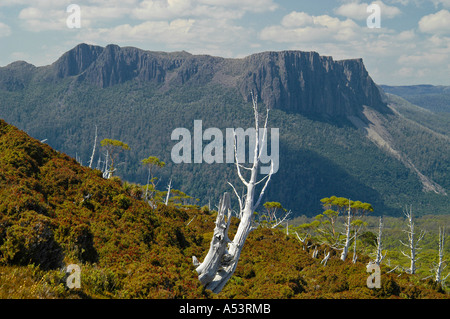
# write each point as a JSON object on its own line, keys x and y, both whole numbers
{"x": 113, "y": 149}
{"x": 353, "y": 226}
{"x": 152, "y": 163}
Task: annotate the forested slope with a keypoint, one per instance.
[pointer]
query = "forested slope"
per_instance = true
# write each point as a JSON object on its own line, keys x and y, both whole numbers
{"x": 139, "y": 97}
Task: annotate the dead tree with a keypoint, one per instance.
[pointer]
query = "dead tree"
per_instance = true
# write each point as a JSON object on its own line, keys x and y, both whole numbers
{"x": 325, "y": 259}
{"x": 169, "y": 187}
{"x": 223, "y": 255}
{"x": 93, "y": 149}
{"x": 379, "y": 254}
{"x": 412, "y": 242}
{"x": 348, "y": 238}
{"x": 439, "y": 268}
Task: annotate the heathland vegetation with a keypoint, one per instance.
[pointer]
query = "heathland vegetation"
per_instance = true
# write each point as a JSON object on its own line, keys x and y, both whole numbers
{"x": 55, "y": 212}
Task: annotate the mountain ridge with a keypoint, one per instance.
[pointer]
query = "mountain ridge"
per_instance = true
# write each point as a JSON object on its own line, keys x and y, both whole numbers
{"x": 293, "y": 81}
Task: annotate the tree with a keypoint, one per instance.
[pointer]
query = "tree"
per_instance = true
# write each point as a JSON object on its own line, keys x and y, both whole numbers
{"x": 306, "y": 229}
{"x": 356, "y": 208}
{"x": 334, "y": 206}
{"x": 328, "y": 230}
{"x": 113, "y": 149}
{"x": 439, "y": 268}
{"x": 379, "y": 255}
{"x": 273, "y": 217}
{"x": 93, "y": 149}
{"x": 412, "y": 241}
{"x": 223, "y": 255}
{"x": 152, "y": 162}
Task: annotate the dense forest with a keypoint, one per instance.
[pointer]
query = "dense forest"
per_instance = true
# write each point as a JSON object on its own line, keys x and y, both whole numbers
{"x": 55, "y": 212}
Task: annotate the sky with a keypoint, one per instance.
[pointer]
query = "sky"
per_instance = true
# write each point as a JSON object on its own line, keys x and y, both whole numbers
{"x": 411, "y": 45}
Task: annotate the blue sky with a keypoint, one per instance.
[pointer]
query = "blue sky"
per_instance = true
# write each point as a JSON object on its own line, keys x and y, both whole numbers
{"x": 411, "y": 47}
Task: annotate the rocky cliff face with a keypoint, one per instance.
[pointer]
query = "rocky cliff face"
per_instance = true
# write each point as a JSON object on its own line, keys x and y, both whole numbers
{"x": 306, "y": 82}
{"x": 293, "y": 81}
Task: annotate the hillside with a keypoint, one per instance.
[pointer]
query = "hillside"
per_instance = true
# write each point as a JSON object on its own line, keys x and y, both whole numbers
{"x": 433, "y": 98}
{"x": 337, "y": 133}
{"x": 55, "y": 212}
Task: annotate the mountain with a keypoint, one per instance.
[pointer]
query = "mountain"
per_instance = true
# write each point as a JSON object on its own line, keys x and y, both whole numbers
{"x": 339, "y": 133}
{"x": 55, "y": 213}
{"x": 431, "y": 97}
{"x": 292, "y": 81}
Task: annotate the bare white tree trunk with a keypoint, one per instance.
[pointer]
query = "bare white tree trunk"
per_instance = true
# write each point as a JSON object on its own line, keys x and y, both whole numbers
{"x": 107, "y": 173}
{"x": 412, "y": 242}
{"x": 347, "y": 234}
{"x": 93, "y": 150}
{"x": 355, "y": 256}
{"x": 211, "y": 272}
{"x": 315, "y": 252}
{"x": 278, "y": 221}
{"x": 379, "y": 254}
{"x": 169, "y": 187}
{"x": 223, "y": 256}
{"x": 325, "y": 259}
{"x": 441, "y": 263}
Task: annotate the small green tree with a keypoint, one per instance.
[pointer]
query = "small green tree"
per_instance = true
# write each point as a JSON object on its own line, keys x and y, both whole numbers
{"x": 328, "y": 231}
{"x": 152, "y": 163}
{"x": 334, "y": 206}
{"x": 113, "y": 149}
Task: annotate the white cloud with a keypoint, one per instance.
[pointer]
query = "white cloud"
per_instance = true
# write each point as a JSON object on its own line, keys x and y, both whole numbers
{"x": 297, "y": 19}
{"x": 391, "y": 56}
{"x": 38, "y": 19}
{"x": 202, "y": 36}
{"x": 245, "y": 5}
{"x": 5, "y": 30}
{"x": 170, "y": 9}
{"x": 444, "y": 3}
{"x": 358, "y": 11}
{"x": 437, "y": 23}
{"x": 300, "y": 27}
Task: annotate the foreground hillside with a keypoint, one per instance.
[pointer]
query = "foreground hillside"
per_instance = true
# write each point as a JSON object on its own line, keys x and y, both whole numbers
{"x": 54, "y": 212}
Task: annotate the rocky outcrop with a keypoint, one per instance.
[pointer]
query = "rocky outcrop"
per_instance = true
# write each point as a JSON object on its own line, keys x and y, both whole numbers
{"x": 305, "y": 82}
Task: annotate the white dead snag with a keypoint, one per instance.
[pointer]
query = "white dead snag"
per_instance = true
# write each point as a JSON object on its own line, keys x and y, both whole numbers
{"x": 223, "y": 256}
{"x": 106, "y": 172}
{"x": 315, "y": 252}
{"x": 325, "y": 259}
{"x": 347, "y": 233}
{"x": 379, "y": 254}
{"x": 93, "y": 150}
{"x": 212, "y": 272}
{"x": 412, "y": 242}
{"x": 355, "y": 256}
{"x": 278, "y": 221}
{"x": 301, "y": 240}
{"x": 441, "y": 263}
{"x": 168, "y": 192}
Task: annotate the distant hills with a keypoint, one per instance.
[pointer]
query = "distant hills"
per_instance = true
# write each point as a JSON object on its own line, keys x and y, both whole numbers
{"x": 433, "y": 98}
{"x": 339, "y": 133}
